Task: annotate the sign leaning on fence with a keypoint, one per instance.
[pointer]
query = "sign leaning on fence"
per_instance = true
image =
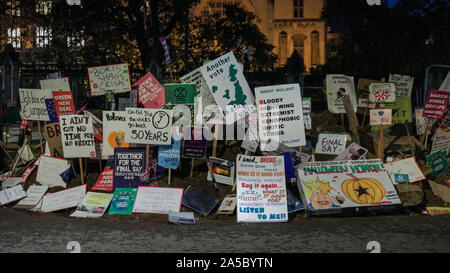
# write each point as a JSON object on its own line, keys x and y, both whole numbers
{"x": 109, "y": 77}
{"x": 339, "y": 86}
{"x": 148, "y": 126}
{"x": 32, "y": 104}
{"x": 77, "y": 136}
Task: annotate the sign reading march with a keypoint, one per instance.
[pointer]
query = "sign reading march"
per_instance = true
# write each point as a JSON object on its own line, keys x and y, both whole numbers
{"x": 32, "y": 104}
{"x": 109, "y": 77}
{"x": 229, "y": 87}
{"x": 77, "y": 136}
{"x": 148, "y": 126}
{"x": 339, "y": 86}
{"x": 261, "y": 189}
{"x": 129, "y": 168}
{"x": 280, "y": 114}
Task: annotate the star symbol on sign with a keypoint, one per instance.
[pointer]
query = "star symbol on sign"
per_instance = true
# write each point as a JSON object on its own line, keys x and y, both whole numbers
{"x": 361, "y": 191}
{"x": 324, "y": 187}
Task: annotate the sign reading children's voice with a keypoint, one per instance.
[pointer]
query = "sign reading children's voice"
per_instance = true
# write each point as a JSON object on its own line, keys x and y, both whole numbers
{"x": 77, "y": 136}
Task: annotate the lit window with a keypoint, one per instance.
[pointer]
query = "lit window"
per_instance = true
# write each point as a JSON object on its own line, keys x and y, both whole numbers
{"x": 13, "y": 8}
{"x": 298, "y": 8}
{"x": 43, "y": 36}
{"x": 44, "y": 7}
{"x": 75, "y": 41}
{"x": 14, "y": 37}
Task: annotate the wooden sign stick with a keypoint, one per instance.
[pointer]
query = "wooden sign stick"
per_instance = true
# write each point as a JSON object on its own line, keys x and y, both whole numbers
{"x": 426, "y": 132}
{"x": 364, "y": 117}
{"x": 40, "y": 136}
{"x": 380, "y": 144}
{"x": 80, "y": 160}
{"x": 216, "y": 136}
{"x": 192, "y": 168}
{"x": 342, "y": 122}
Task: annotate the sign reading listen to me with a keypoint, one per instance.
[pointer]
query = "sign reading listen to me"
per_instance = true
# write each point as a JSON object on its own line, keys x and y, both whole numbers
{"x": 109, "y": 77}
{"x": 77, "y": 136}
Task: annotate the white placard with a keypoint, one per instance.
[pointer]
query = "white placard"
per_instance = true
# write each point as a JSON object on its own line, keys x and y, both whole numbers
{"x": 339, "y": 86}
{"x": 405, "y": 166}
{"x": 34, "y": 195}
{"x": 58, "y": 84}
{"x": 12, "y": 194}
{"x": 382, "y": 92}
{"x": 160, "y": 200}
{"x": 380, "y": 117}
{"x": 403, "y": 85}
{"x": 261, "y": 189}
{"x": 223, "y": 171}
{"x": 94, "y": 205}
{"x": 32, "y": 104}
{"x": 148, "y": 126}
{"x": 11, "y": 182}
{"x": 280, "y": 115}
{"x": 50, "y": 170}
{"x": 64, "y": 199}
{"x": 441, "y": 142}
{"x": 77, "y": 136}
{"x": 109, "y": 77}
{"x": 331, "y": 144}
{"x": 114, "y": 124}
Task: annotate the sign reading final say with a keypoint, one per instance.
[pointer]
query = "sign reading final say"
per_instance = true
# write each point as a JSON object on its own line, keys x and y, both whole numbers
{"x": 280, "y": 114}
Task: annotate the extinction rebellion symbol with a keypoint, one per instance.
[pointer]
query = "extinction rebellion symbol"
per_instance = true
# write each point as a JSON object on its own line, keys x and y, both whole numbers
{"x": 160, "y": 120}
{"x": 180, "y": 93}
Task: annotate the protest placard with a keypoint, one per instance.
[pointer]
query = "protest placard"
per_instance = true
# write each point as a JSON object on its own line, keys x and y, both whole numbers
{"x": 352, "y": 152}
{"x": 53, "y": 136}
{"x": 32, "y": 104}
{"x": 57, "y": 84}
{"x": 50, "y": 170}
{"x": 93, "y": 205}
{"x": 34, "y": 195}
{"x": 436, "y": 104}
{"x": 223, "y": 171}
{"x": 382, "y": 92}
{"x": 405, "y": 166}
{"x": 11, "y": 195}
{"x": 298, "y": 159}
{"x": 327, "y": 187}
{"x": 380, "y": 117}
{"x": 123, "y": 201}
{"x": 365, "y": 103}
{"x": 51, "y": 110}
{"x": 63, "y": 199}
{"x": 11, "y": 182}
{"x": 159, "y": 200}
{"x": 194, "y": 146}
{"x": 77, "y": 136}
{"x": 199, "y": 201}
{"x": 150, "y": 92}
{"x": 339, "y": 86}
{"x": 148, "y": 126}
{"x": 182, "y": 218}
{"x": 129, "y": 168}
{"x": 403, "y": 85}
{"x": 438, "y": 162}
{"x": 280, "y": 115}
{"x": 225, "y": 79}
{"x": 261, "y": 189}
{"x": 331, "y": 144}
{"x": 177, "y": 93}
{"x": 228, "y": 204}
{"x": 104, "y": 181}
{"x": 64, "y": 103}
{"x": 441, "y": 141}
{"x": 114, "y": 77}
{"x": 114, "y": 124}
{"x": 169, "y": 155}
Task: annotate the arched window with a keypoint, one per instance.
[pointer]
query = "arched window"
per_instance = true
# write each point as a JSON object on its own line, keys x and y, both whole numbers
{"x": 282, "y": 50}
{"x": 315, "y": 49}
{"x": 299, "y": 44}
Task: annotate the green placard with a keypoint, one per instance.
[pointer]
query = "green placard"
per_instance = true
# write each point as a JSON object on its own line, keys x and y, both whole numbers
{"x": 123, "y": 201}
{"x": 401, "y": 112}
{"x": 438, "y": 162}
{"x": 179, "y": 93}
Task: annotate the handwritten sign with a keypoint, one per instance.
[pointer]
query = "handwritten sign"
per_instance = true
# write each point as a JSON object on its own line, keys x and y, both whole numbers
{"x": 32, "y": 104}
{"x": 11, "y": 195}
{"x": 352, "y": 152}
{"x": 58, "y": 84}
{"x": 441, "y": 141}
{"x": 382, "y": 92}
{"x": 77, "y": 136}
{"x": 53, "y": 136}
{"x": 406, "y": 166}
{"x": 339, "y": 86}
{"x": 129, "y": 167}
{"x": 34, "y": 195}
{"x": 123, "y": 201}
{"x": 436, "y": 104}
{"x": 109, "y": 77}
{"x": 114, "y": 124}
{"x": 261, "y": 189}
{"x": 331, "y": 144}
{"x": 150, "y": 92}
{"x": 169, "y": 155}
{"x": 403, "y": 85}
{"x": 93, "y": 205}
{"x": 64, "y": 103}
{"x": 380, "y": 116}
{"x": 49, "y": 170}
{"x": 160, "y": 200}
{"x": 148, "y": 126}
{"x": 64, "y": 199}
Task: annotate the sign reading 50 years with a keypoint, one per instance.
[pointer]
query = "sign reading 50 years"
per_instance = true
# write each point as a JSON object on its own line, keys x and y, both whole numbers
{"x": 148, "y": 126}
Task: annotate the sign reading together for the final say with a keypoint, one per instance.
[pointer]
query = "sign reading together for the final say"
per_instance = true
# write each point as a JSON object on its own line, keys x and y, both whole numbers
{"x": 148, "y": 126}
{"x": 109, "y": 77}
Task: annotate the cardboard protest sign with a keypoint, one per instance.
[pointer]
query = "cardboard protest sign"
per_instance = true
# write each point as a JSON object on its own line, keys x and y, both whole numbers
{"x": 327, "y": 187}
{"x": 352, "y": 152}
{"x": 123, "y": 201}
{"x": 64, "y": 199}
{"x": 331, "y": 144}
{"x": 104, "y": 181}
{"x": 380, "y": 117}
{"x": 441, "y": 141}
{"x": 34, "y": 195}
{"x": 261, "y": 189}
{"x": 382, "y": 92}
{"x": 438, "y": 162}
{"x": 64, "y": 103}
{"x": 405, "y": 166}
{"x": 32, "y": 104}
{"x": 177, "y": 93}
{"x": 77, "y": 136}
{"x": 194, "y": 145}
{"x": 57, "y": 84}
{"x": 93, "y": 205}
{"x": 280, "y": 115}
{"x": 53, "y": 136}
{"x": 199, "y": 201}
{"x": 339, "y": 86}
{"x": 403, "y": 85}
{"x": 109, "y": 77}
{"x": 50, "y": 170}
{"x": 129, "y": 168}
{"x": 114, "y": 124}
{"x": 11, "y": 195}
{"x": 51, "y": 110}
{"x": 228, "y": 204}
{"x": 148, "y": 126}
{"x": 436, "y": 104}
{"x": 150, "y": 92}
{"x": 225, "y": 79}
{"x": 159, "y": 200}
{"x": 223, "y": 171}
{"x": 169, "y": 155}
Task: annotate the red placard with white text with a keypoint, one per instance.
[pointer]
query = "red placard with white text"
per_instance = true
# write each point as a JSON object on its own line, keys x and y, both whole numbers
{"x": 64, "y": 102}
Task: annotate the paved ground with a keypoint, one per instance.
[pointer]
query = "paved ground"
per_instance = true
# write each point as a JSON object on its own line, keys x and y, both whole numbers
{"x": 22, "y": 231}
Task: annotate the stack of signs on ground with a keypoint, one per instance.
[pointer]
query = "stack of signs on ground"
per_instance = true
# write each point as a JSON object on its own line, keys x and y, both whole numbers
{"x": 169, "y": 155}
{"x": 159, "y": 200}
{"x": 280, "y": 115}
{"x": 225, "y": 79}
{"x": 129, "y": 168}
{"x": 77, "y": 136}
{"x": 148, "y": 126}
{"x": 57, "y": 84}
{"x": 53, "y": 137}
{"x": 11, "y": 195}
{"x": 150, "y": 92}
{"x": 405, "y": 166}
{"x": 64, "y": 199}
{"x": 438, "y": 162}
{"x": 352, "y": 152}
{"x": 180, "y": 93}
{"x": 34, "y": 196}
{"x": 199, "y": 201}
{"x": 94, "y": 205}
{"x": 194, "y": 145}
{"x": 50, "y": 171}
{"x": 104, "y": 181}
{"x": 223, "y": 171}
{"x": 339, "y": 86}
{"x": 114, "y": 124}
{"x": 331, "y": 144}
{"x": 261, "y": 189}
{"x": 11, "y": 182}
{"x": 403, "y": 85}
{"x": 114, "y": 78}
{"x": 327, "y": 187}
{"x": 123, "y": 201}
{"x": 32, "y": 104}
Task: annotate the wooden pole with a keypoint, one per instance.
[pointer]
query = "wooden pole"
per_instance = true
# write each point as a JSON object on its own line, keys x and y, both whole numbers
{"x": 342, "y": 122}
{"x": 216, "y": 135}
{"x": 170, "y": 176}
{"x": 364, "y": 117}
{"x": 80, "y": 160}
{"x": 192, "y": 168}
{"x": 40, "y": 136}
{"x": 380, "y": 144}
